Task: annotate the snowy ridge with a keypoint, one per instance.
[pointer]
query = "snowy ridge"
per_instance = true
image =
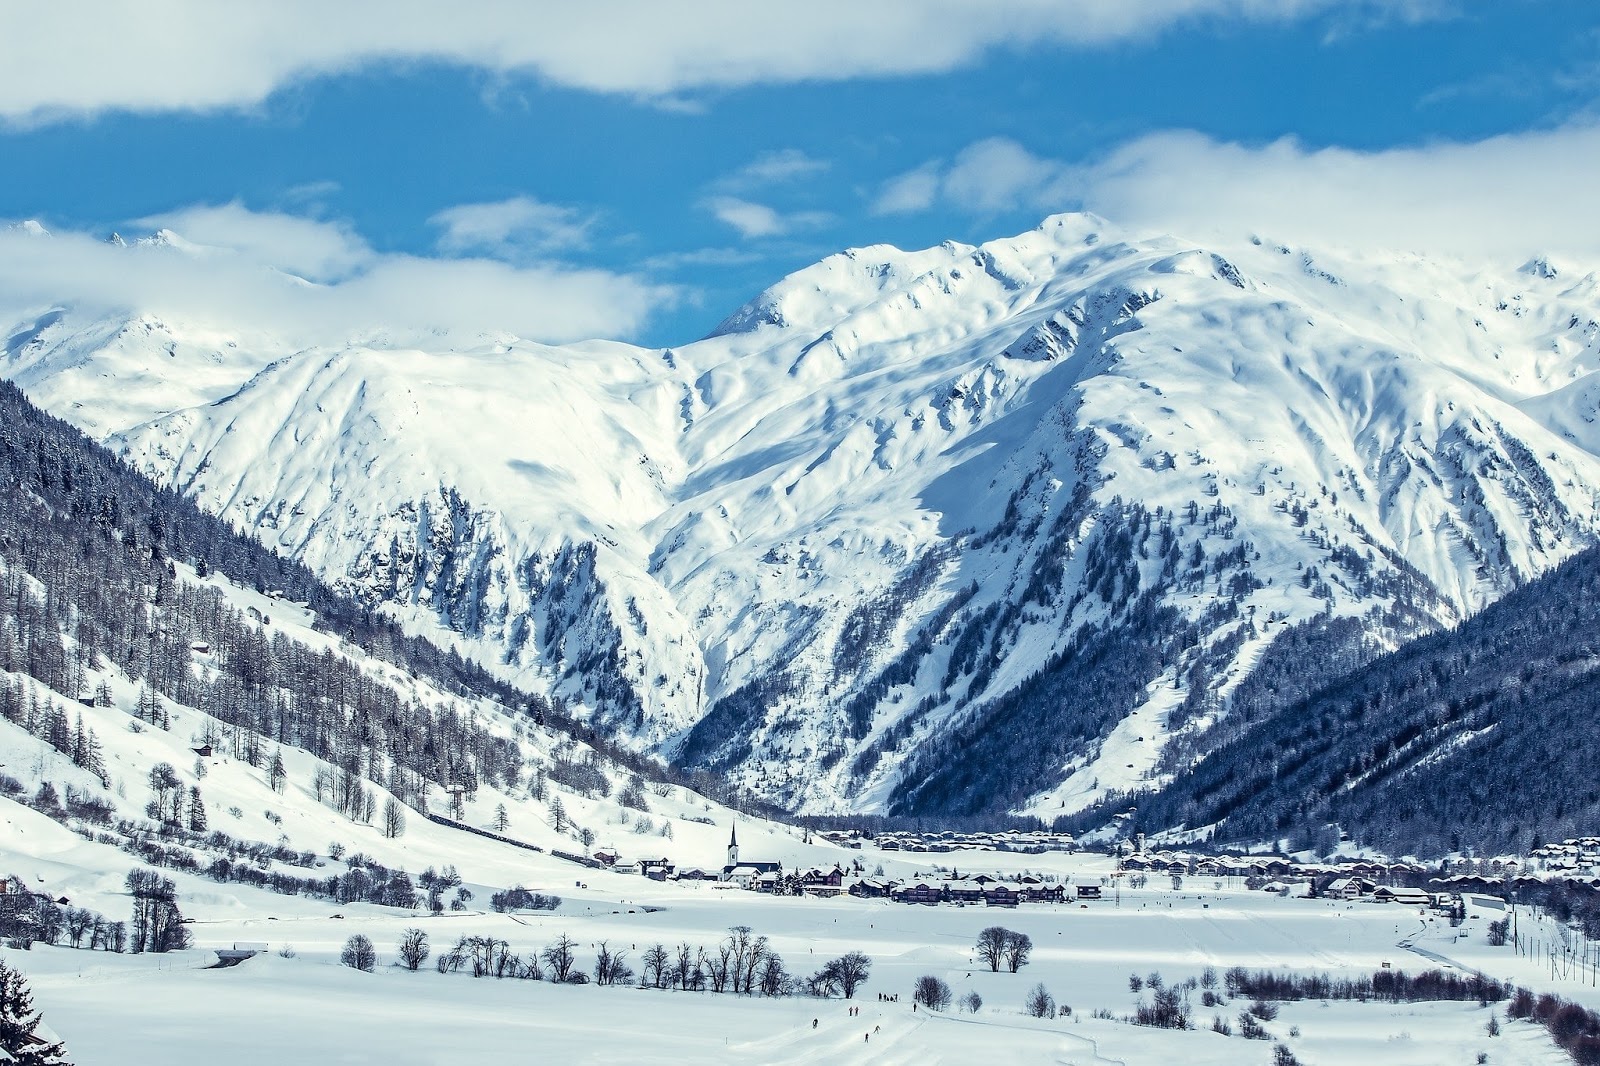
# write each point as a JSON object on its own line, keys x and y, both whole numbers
{"x": 885, "y": 493}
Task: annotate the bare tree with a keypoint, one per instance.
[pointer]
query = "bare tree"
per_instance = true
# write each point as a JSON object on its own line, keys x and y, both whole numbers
{"x": 1040, "y": 1003}
{"x": 413, "y": 949}
{"x": 774, "y": 980}
{"x": 79, "y": 921}
{"x": 394, "y": 818}
{"x": 611, "y": 967}
{"x": 559, "y": 957}
{"x": 972, "y": 1003}
{"x": 359, "y": 953}
{"x": 657, "y": 960}
{"x": 1017, "y": 949}
{"x": 717, "y": 966}
{"x": 992, "y": 945}
{"x": 558, "y": 815}
{"x": 853, "y": 970}
{"x": 844, "y": 974}
{"x": 932, "y": 993}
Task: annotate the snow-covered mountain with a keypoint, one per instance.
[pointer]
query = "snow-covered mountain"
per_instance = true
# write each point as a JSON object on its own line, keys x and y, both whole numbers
{"x": 1036, "y": 504}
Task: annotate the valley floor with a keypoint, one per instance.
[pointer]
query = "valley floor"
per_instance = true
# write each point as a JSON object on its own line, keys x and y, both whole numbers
{"x": 172, "y": 1009}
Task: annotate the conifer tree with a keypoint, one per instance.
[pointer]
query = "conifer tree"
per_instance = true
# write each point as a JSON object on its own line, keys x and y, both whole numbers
{"x": 197, "y": 811}
{"x": 18, "y": 1020}
{"x": 277, "y": 775}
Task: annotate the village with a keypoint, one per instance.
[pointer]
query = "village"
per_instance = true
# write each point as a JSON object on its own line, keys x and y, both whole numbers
{"x": 1129, "y": 864}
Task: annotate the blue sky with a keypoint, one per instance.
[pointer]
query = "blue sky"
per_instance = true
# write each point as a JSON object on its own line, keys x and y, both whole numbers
{"x": 655, "y": 174}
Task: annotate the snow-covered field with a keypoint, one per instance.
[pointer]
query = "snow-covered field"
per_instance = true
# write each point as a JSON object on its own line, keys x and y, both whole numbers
{"x": 173, "y": 1009}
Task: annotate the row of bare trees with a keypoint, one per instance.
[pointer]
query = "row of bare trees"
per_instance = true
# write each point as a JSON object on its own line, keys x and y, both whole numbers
{"x": 741, "y": 963}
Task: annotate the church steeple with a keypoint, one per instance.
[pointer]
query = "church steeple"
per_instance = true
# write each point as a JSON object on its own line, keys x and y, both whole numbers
{"x": 733, "y": 847}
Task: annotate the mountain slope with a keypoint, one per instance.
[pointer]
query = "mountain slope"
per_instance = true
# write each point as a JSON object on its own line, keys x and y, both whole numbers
{"x": 122, "y": 650}
{"x": 1042, "y": 501}
{"x": 1473, "y": 737}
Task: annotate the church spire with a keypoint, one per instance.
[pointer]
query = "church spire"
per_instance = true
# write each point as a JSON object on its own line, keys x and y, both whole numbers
{"x": 733, "y": 847}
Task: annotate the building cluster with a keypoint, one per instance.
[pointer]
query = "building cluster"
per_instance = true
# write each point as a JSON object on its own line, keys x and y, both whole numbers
{"x": 1032, "y": 842}
{"x": 1576, "y": 855}
{"x": 1275, "y": 867}
{"x": 980, "y": 890}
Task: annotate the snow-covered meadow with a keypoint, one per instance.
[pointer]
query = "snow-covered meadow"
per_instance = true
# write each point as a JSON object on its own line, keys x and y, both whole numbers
{"x": 174, "y": 1009}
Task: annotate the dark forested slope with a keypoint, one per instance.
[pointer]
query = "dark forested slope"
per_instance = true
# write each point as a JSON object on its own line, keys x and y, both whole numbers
{"x": 86, "y": 550}
{"x": 1484, "y": 735}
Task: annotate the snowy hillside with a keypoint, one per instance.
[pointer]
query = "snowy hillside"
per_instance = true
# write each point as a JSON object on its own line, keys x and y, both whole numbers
{"x": 952, "y": 530}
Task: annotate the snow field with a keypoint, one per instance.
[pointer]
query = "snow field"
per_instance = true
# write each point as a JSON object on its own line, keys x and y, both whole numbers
{"x": 166, "y": 1009}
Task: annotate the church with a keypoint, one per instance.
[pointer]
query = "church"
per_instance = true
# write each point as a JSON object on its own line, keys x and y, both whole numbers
{"x": 745, "y": 874}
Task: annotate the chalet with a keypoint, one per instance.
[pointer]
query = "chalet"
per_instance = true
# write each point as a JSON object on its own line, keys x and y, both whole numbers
{"x": 871, "y": 888}
{"x": 920, "y": 892}
{"x": 694, "y": 873}
{"x": 742, "y": 876}
{"x": 767, "y": 882}
{"x": 204, "y": 751}
{"x": 964, "y": 890}
{"x": 1042, "y": 893}
{"x": 817, "y": 877}
{"x": 1349, "y": 888}
{"x": 999, "y": 895}
{"x": 1414, "y": 897}
{"x": 656, "y": 869}
{"x": 1087, "y": 891}
{"x": 606, "y": 856}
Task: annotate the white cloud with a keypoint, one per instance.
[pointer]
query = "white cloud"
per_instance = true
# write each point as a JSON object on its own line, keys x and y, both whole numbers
{"x": 1506, "y": 196}
{"x": 166, "y": 55}
{"x": 1000, "y": 175}
{"x": 670, "y": 262}
{"x": 754, "y": 220}
{"x": 915, "y": 190}
{"x": 247, "y": 273}
{"x": 986, "y": 177}
{"x": 774, "y": 168}
{"x": 316, "y": 251}
{"x": 504, "y": 227}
